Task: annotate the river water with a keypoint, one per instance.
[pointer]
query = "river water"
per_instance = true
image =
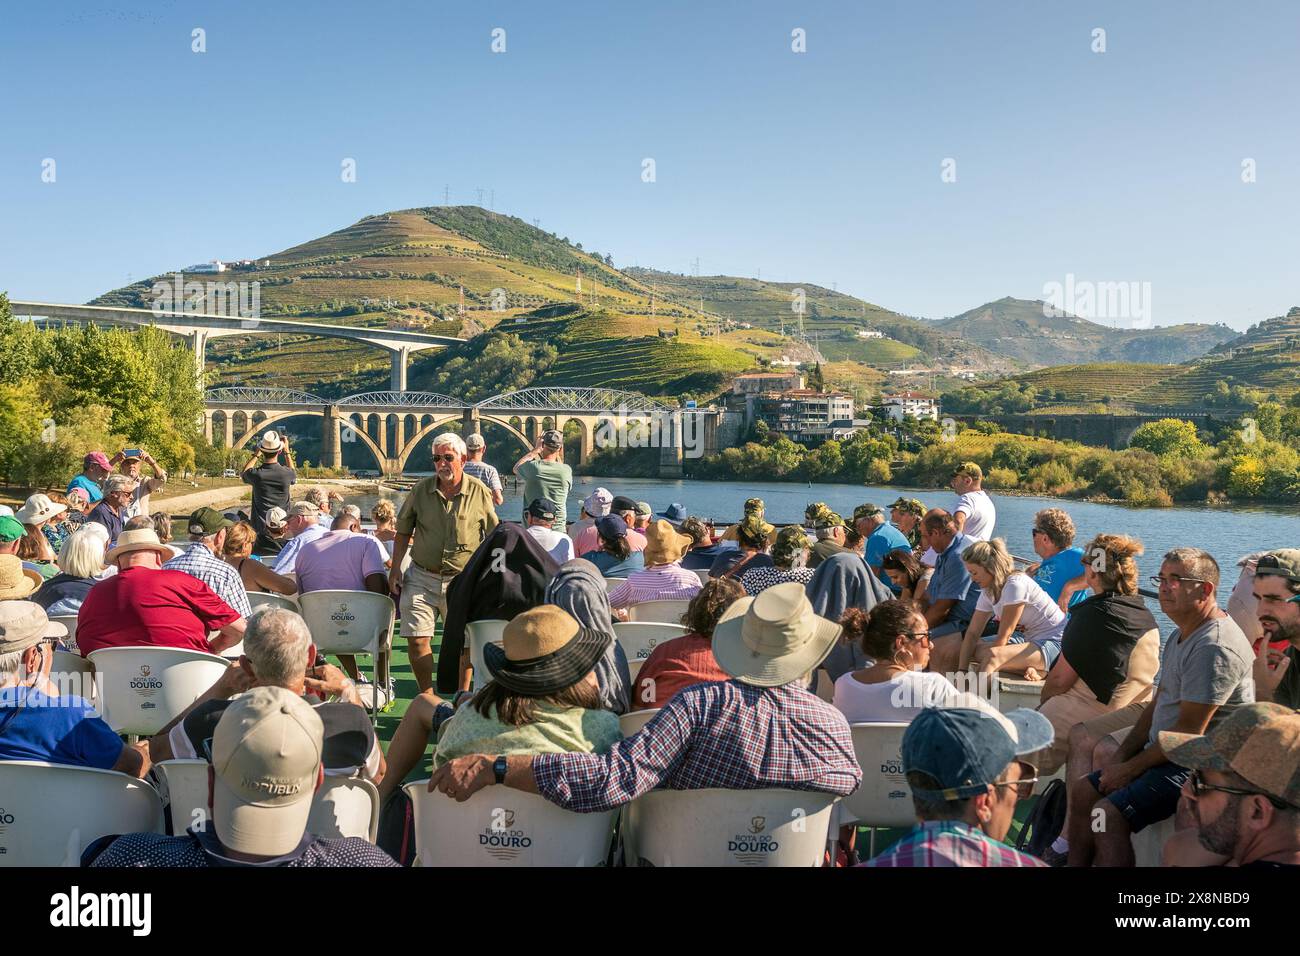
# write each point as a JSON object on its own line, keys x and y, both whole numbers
{"x": 1227, "y": 533}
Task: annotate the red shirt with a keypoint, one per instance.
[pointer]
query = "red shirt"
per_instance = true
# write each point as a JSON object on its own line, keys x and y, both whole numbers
{"x": 674, "y": 664}
{"x": 154, "y": 608}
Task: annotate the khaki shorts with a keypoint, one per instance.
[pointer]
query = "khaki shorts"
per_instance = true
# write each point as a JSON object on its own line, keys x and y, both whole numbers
{"x": 424, "y": 598}
{"x": 1078, "y": 706}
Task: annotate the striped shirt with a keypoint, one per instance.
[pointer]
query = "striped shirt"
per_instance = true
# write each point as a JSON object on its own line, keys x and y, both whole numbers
{"x": 718, "y": 734}
{"x": 663, "y": 582}
{"x": 485, "y": 473}
{"x": 760, "y": 579}
{"x": 199, "y": 562}
{"x": 950, "y": 843}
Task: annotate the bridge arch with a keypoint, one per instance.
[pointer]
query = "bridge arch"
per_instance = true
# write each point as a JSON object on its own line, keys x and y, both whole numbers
{"x": 350, "y": 426}
{"x": 251, "y": 431}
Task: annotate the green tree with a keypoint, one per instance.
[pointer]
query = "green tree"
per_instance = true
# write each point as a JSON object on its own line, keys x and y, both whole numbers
{"x": 1168, "y": 436}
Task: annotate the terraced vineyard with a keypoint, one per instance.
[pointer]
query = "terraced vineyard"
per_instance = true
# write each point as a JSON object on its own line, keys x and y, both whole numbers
{"x": 1094, "y": 382}
{"x": 1272, "y": 370}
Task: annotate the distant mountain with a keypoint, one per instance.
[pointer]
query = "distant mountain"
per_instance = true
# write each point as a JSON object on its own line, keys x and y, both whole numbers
{"x": 1020, "y": 329}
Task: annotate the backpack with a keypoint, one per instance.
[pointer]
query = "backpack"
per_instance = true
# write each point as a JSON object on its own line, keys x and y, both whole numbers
{"x": 396, "y": 835}
{"x": 1045, "y": 822}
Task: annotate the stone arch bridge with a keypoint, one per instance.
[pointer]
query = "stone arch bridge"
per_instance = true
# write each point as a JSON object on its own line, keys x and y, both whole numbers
{"x": 391, "y": 424}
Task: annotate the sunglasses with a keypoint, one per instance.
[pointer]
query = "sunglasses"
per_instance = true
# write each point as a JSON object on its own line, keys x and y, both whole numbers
{"x": 446, "y": 458}
{"x": 1200, "y": 788}
{"x": 1174, "y": 580}
{"x": 1024, "y": 787}
{"x": 917, "y": 636}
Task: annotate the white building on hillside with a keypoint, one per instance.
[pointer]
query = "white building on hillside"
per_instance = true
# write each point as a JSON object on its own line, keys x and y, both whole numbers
{"x": 911, "y": 405}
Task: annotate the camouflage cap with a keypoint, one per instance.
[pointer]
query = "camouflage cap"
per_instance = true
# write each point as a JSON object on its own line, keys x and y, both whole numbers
{"x": 754, "y": 506}
{"x": 828, "y": 520}
{"x": 1258, "y": 742}
{"x": 815, "y": 510}
{"x": 970, "y": 469}
{"x": 755, "y": 528}
{"x": 789, "y": 542}
{"x": 1283, "y": 563}
{"x": 866, "y": 511}
{"x": 910, "y": 505}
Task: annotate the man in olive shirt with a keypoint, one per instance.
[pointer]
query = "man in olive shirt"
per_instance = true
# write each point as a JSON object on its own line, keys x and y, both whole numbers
{"x": 443, "y": 520}
{"x": 546, "y": 475}
{"x": 1277, "y": 596}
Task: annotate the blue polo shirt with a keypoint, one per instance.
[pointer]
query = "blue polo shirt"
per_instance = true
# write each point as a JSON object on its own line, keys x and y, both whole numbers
{"x": 1055, "y": 571}
{"x": 884, "y": 539}
{"x": 88, "y": 486}
{"x": 951, "y": 581}
{"x": 64, "y": 730}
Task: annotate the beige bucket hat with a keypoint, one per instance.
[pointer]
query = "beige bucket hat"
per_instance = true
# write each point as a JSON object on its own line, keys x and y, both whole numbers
{"x": 774, "y": 638}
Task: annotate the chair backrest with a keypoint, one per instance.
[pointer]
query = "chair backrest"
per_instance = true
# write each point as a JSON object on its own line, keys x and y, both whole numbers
{"x": 639, "y": 638}
{"x": 261, "y": 599}
{"x": 70, "y": 622}
{"x": 51, "y": 813}
{"x": 703, "y": 575}
{"x": 345, "y": 807}
{"x": 73, "y": 675}
{"x": 348, "y": 622}
{"x": 1012, "y": 693}
{"x": 729, "y": 827}
{"x": 479, "y": 634}
{"x": 884, "y": 798}
{"x": 611, "y": 583}
{"x": 183, "y": 785}
{"x": 502, "y": 827}
{"x": 634, "y": 720}
{"x": 141, "y": 689}
{"x": 662, "y": 612}
{"x": 634, "y": 667}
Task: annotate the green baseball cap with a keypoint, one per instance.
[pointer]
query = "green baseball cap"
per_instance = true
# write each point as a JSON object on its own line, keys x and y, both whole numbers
{"x": 10, "y": 529}
{"x": 789, "y": 542}
{"x": 912, "y": 505}
{"x": 754, "y": 506}
{"x": 970, "y": 469}
{"x": 815, "y": 510}
{"x": 866, "y": 511}
{"x": 828, "y": 520}
{"x": 207, "y": 521}
{"x": 1258, "y": 742}
{"x": 755, "y": 528}
{"x": 1283, "y": 563}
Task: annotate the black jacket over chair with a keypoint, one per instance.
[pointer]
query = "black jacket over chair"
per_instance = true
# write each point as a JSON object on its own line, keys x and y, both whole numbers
{"x": 506, "y": 575}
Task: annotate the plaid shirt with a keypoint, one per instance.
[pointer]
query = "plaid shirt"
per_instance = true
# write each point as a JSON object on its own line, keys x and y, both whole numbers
{"x": 664, "y": 582}
{"x": 720, "y": 734}
{"x": 950, "y": 843}
{"x": 199, "y": 562}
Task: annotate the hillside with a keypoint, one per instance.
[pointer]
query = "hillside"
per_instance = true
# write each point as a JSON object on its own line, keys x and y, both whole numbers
{"x": 1020, "y": 329}
{"x": 1269, "y": 332}
{"x": 831, "y": 319}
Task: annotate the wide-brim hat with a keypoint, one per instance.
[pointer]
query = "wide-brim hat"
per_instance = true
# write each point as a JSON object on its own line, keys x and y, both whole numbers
{"x": 543, "y": 651}
{"x": 24, "y": 624}
{"x": 39, "y": 508}
{"x": 16, "y": 581}
{"x": 142, "y": 539}
{"x": 664, "y": 544}
{"x": 773, "y": 638}
{"x": 271, "y": 441}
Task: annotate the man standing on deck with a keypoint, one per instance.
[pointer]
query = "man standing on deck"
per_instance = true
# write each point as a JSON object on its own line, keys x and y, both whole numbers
{"x": 973, "y": 511}
{"x": 130, "y": 459}
{"x": 271, "y": 482}
{"x": 443, "y": 521}
{"x": 546, "y": 475}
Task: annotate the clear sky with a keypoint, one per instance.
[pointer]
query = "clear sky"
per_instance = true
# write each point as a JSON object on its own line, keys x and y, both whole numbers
{"x": 823, "y": 166}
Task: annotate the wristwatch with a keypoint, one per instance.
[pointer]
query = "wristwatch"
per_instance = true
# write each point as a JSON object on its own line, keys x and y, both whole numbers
{"x": 499, "y": 768}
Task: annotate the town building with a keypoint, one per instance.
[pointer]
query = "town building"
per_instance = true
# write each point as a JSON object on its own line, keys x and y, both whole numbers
{"x": 752, "y": 383}
{"x": 911, "y": 405}
{"x": 806, "y": 415}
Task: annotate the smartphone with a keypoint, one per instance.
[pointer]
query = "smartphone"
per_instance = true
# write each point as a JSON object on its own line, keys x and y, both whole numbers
{"x": 132, "y": 453}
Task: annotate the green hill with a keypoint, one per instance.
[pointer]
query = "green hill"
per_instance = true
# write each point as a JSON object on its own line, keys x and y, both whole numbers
{"x": 1020, "y": 329}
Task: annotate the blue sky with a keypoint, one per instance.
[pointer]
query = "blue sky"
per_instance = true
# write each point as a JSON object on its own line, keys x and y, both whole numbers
{"x": 821, "y": 166}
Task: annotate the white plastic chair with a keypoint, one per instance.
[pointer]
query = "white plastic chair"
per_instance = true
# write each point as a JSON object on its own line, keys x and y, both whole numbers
{"x": 479, "y": 634}
{"x": 661, "y": 612}
{"x": 499, "y": 826}
{"x": 141, "y": 689}
{"x": 883, "y": 799}
{"x": 261, "y": 599}
{"x": 611, "y": 583}
{"x": 633, "y": 721}
{"x": 70, "y": 622}
{"x": 345, "y": 807}
{"x": 52, "y": 812}
{"x": 1012, "y": 693}
{"x": 73, "y": 675}
{"x": 639, "y": 638}
{"x": 634, "y": 667}
{"x": 183, "y": 785}
{"x": 703, "y": 575}
{"x": 728, "y": 828}
{"x": 351, "y": 622}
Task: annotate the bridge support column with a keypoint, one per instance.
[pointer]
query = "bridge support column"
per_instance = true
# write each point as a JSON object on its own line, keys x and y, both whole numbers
{"x": 332, "y": 438}
{"x": 382, "y": 437}
{"x": 469, "y": 422}
{"x": 670, "y": 446}
{"x": 399, "y": 357}
{"x": 199, "y": 339}
{"x": 207, "y": 426}
{"x": 230, "y": 430}
{"x": 586, "y": 439}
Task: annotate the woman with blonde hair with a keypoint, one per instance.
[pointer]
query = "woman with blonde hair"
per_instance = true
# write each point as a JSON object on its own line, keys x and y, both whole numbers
{"x": 1019, "y": 603}
{"x": 255, "y": 575}
{"x": 384, "y": 514}
{"x": 80, "y": 561}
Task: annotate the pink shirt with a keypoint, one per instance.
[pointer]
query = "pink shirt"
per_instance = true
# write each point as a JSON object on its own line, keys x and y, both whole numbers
{"x": 588, "y": 539}
{"x": 339, "y": 561}
{"x": 663, "y": 582}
